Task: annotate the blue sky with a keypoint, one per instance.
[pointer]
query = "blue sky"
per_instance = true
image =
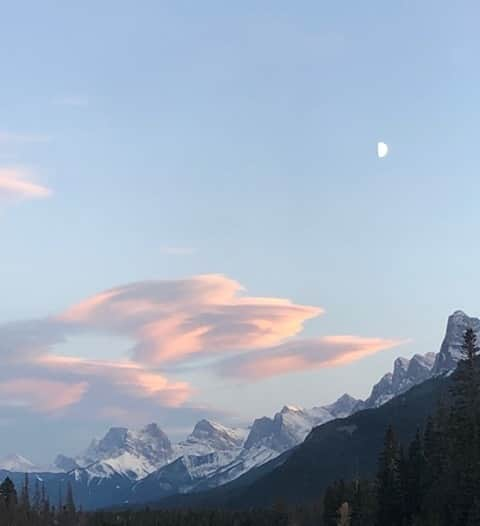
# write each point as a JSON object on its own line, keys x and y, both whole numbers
{"x": 179, "y": 139}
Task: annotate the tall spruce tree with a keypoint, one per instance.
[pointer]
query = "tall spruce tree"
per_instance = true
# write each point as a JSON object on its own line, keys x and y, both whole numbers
{"x": 25, "y": 494}
{"x": 389, "y": 486}
{"x": 8, "y": 493}
{"x": 463, "y": 432}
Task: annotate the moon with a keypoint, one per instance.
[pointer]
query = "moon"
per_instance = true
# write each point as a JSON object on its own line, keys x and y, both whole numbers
{"x": 382, "y": 150}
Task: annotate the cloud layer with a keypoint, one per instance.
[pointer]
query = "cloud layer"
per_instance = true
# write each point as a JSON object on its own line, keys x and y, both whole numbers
{"x": 203, "y": 319}
{"x": 204, "y": 315}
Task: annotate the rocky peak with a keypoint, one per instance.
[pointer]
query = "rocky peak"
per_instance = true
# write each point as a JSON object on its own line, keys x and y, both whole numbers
{"x": 216, "y": 435}
{"x": 64, "y": 463}
{"x": 113, "y": 441}
{"x": 15, "y": 462}
{"x": 450, "y": 351}
{"x": 343, "y": 406}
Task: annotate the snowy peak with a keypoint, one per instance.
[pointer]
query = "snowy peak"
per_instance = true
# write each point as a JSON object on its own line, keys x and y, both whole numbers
{"x": 64, "y": 463}
{"x": 15, "y": 462}
{"x": 286, "y": 429}
{"x": 343, "y": 406}
{"x": 150, "y": 442}
{"x": 112, "y": 444}
{"x": 123, "y": 451}
{"x": 450, "y": 351}
{"x": 216, "y": 435}
{"x": 406, "y": 374}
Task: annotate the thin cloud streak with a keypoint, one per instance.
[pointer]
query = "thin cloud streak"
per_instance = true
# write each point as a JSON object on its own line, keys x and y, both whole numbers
{"x": 40, "y": 394}
{"x": 304, "y": 355}
{"x": 14, "y": 182}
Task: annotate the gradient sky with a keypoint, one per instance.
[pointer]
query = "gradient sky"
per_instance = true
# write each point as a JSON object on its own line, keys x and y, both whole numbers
{"x": 193, "y": 220}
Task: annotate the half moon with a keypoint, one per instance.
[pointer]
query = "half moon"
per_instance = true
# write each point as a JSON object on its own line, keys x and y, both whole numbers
{"x": 382, "y": 150}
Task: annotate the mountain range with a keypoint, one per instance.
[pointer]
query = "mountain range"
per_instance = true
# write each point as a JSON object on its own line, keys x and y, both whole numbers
{"x": 127, "y": 466}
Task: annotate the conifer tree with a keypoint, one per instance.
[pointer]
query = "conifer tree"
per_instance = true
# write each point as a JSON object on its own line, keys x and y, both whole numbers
{"x": 389, "y": 489}
{"x": 25, "y": 494}
{"x": 69, "y": 503}
{"x": 8, "y": 493}
{"x": 415, "y": 478}
{"x": 463, "y": 432}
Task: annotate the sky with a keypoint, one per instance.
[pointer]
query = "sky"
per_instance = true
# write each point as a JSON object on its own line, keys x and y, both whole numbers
{"x": 193, "y": 219}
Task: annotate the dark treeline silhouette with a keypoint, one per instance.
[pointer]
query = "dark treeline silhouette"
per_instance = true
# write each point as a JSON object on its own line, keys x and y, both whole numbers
{"x": 435, "y": 481}
{"x": 33, "y": 508}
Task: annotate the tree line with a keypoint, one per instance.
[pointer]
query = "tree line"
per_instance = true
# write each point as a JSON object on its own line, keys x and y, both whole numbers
{"x": 436, "y": 480}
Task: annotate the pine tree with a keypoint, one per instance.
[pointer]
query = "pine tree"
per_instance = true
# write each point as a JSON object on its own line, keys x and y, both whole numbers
{"x": 25, "y": 495}
{"x": 474, "y": 513}
{"x": 8, "y": 493}
{"x": 36, "y": 496}
{"x": 70, "y": 504}
{"x": 463, "y": 432}
{"x": 389, "y": 488}
{"x": 415, "y": 478}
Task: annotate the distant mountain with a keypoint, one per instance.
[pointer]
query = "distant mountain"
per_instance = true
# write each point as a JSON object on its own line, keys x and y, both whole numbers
{"x": 342, "y": 448}
{"x": 406, "y": 374}
{"x": 214, "y": 455}
{"x": 140, "y": 465}
{"x": 134, "y": 454}
{"x": 15, "y": 462}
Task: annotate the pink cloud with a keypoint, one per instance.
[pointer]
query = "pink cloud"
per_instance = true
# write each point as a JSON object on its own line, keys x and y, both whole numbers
{"x": 171, "y": 324}
{"x": 302, "y": 355}
{"x": 173, "y": 320}
{"x": 128, "y": 376}
{"x": 14, "y": 182}
{"x": 41, "y": 394}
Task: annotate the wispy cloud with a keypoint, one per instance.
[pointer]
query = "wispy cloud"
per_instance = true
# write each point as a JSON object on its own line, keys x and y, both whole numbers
{"x": 17, "y": 183}
{"x": 203, "y": 315}
{"x": 304, "y": 354}
{"x": 171, "y": 324}
{"x": 41, "y": 394}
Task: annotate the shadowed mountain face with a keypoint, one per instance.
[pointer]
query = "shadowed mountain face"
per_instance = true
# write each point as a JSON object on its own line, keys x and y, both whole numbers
{"x": 341, "y": 448}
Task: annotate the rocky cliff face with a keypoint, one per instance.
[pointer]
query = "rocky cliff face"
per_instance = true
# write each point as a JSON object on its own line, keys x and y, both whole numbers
{"x": 406, "y": 374}
{"x": 450, "y": 351}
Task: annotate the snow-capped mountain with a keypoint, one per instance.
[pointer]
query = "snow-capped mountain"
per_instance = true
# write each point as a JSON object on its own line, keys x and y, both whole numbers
{"x": 342, "y": 408}
{"x": 406, "y": 374}
{"x": 208, "y": 436}
{"x": 131, "y": 465}
{"x": 15, "y": 462}
{"x": 286, "y": 429}
{"x": 214, "y": 454}
{"x": 125, "y": 451}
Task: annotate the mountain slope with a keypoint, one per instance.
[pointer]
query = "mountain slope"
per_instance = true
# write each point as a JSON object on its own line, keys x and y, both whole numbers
{"x": 337, "y": 449}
